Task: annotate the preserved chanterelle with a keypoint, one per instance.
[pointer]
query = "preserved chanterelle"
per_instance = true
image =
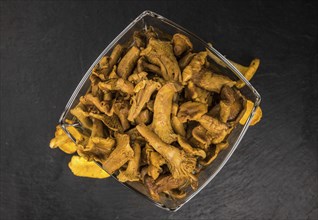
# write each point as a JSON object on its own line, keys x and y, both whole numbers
{"x": 157, "y": 112}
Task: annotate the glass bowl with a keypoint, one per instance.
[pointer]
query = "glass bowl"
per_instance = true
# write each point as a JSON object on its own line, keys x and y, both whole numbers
{"x": 143, "y": 21}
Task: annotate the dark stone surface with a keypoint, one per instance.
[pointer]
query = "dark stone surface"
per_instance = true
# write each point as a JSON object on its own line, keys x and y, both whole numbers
{"x": 47, "y": 47}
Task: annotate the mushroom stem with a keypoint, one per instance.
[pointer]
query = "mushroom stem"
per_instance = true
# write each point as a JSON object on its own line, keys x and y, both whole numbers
{"x": 247, "y": 71}
{"x": 132, "y": 171}
{"x": 122, "y": 153}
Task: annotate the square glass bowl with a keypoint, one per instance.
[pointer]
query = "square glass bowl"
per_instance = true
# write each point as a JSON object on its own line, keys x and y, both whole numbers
{"x": 144, "y": 21}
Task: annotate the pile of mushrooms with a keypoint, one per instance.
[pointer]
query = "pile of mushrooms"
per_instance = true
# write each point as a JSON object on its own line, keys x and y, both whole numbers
{"x": 157, "y": 113}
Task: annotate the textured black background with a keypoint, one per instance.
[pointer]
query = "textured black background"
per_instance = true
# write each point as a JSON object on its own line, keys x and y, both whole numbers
{"x": 46, "y": 47}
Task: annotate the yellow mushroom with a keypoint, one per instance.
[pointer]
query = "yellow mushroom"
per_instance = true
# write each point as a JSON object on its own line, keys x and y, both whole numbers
{"x": 144, "y": 66}
{"x": 194, "y": 67}
{"x": 189, "y": 149}
{"x": 132, "y": 171}
{"x": 247, "y": 71}
{"x": 118, "y": 84}
{"x": 106, "y": 64}
{"x": 197, "y": 94}
{"x": 112, "y": 122}
{"x": 84, "y": 168}
{"x": 160, "y": 53}
{"x": 161, "y": 123}
{"x": 82, "y": 115}
{"x": 176, "y": 124}
{"x": 191, "y": 111}
{"x": 137, "y": 77}
{"x": 247, "y": 111}
{"x": 219, "y": 147}
{"x": 62, "y": 141}
{"x": 141, "y": 98}
{"x": 179, "y": 163}
{"x": 215, "y": 128}
{"x": 103, "y": 106}
{"x": 185, "y": 60}
{"x": 210, "y": 81}
{"x": 154, "y": 160}
{"x": 181, "y": 44}
{"x": 120, "y": 155}
{"x": 121, "y": 109}
{"x": 128, "y": 62}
